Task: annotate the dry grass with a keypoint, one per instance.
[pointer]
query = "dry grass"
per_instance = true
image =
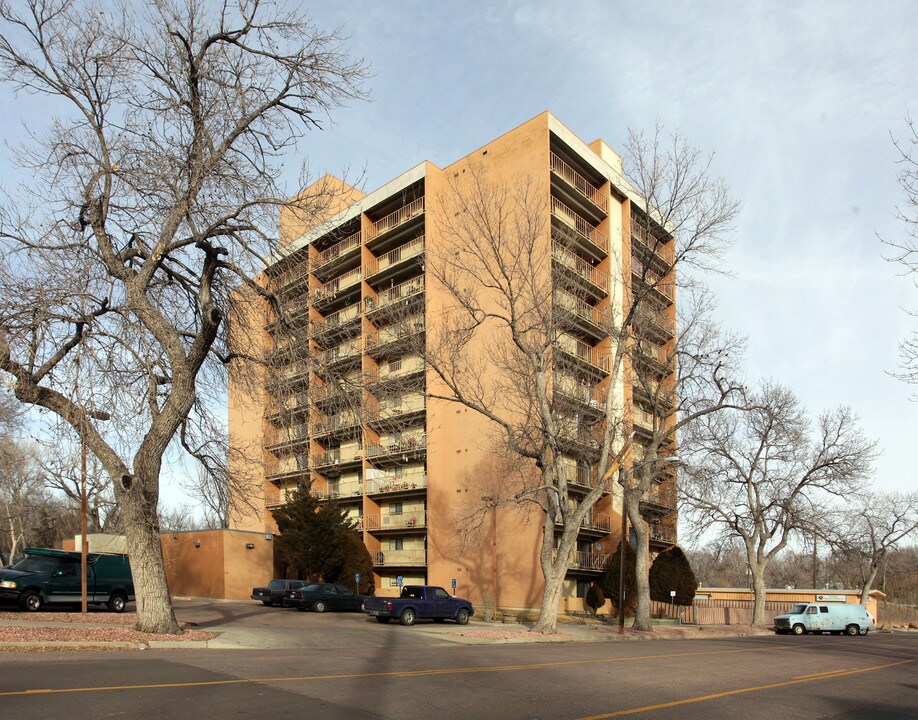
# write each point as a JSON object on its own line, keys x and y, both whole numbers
{"x": 895, "y": 614}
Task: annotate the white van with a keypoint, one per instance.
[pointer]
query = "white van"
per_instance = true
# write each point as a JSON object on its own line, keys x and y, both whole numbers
{"x": 835, "y": 618}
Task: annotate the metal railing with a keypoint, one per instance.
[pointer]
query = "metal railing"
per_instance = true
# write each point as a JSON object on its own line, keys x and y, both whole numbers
{"x": 580, "y": 267}
{"x": 601, "y": 523}
{"x": 347, "y": 349}
{"x": 652, "y": 279}
{"x": 405, "y": 444}
{"x": 594, "y": 315}
{"x": 397, "y": 331}
{"x": 400, "y": 557}
{"x": 394, "y": 219}
{"x": 588, "y": 354}
{"x": 336, "y": 320}
{"x": 336, "y": 285}
{"x": 335, "y": 457}
{"x": 340, "y": 490}
{"x": 395, "y": 521}
{"x": 663, "y": 534}
{"x": 394, "y": 257}
{"x": 581, "y": 226}
{"x": 397, "y": 483}
{"x": 337, "y": 250}
{"x": 334, "y": 423}
{"x": 589, "y": 394}
{"x": 579, "y": 183}
{"x": 589, "y": 561}
{"x": 392, "y": 295}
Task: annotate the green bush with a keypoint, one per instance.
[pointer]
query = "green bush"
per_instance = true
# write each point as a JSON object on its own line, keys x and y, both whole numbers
{"x": 670, "y": 571}
{"x": 594, "y": 598}
{"x": 610, "y": 579}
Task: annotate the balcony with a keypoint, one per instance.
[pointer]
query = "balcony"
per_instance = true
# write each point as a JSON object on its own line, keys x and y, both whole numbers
{"x": 395, "y": 521}
{"x": 581, "y": 356}
{"x": 661, "y": 289}
{"x": 405, "y": 372}
{"x": 332, "y": 462}
{"x": 589, "y": 561}
{"x": 589, "y": 320}
{"x": 585, "y": 189}
{"x": 295, "y": 408}
{"x": 338, "y": 324}
{"x": 400, "y": 558}
{"x": 344, "y": 491}
{"x": 337, "y": 291}
{"x": 275, "y": 499}
{"x": 654, "y": 358}
{"x": 653, "y": 324}
{"x": 409, "y": 483}
{"x": 601, "y": 525}
{"x": 395, "y": 339}
{"x": 333, "y": 259}
{"x": 398, "y": 452}
{"x": 588, "y": 396}
{"x": 658, "y": 251}
{"x": 401, "y": 299}
{"x": 662, "y": 534}
{"x": 379, "y": 270}
{"x": 580, "y": 478}
{"x": 295, "y": 439}
{"x": 291, "y": 281}
{"x": 338, "y": 356}
{"x": 286, "y": 474}
{"x": 396, "y": 219}
{"x": 395, "y": 413}
{"x": 345, "y": 424}
{"x": 591, "y": 240}
{"x": 659, "y": 502}
{"x": 580, "y": 271}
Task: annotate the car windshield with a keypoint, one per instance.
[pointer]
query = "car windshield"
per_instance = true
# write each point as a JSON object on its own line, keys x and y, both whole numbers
{"x": 36, "y": 565}
{"x": 312, "y": 587}
{"x": 797, "y": 610}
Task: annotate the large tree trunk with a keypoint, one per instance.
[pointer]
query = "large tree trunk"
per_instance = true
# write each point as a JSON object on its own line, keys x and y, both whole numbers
{"x": 554, "y": 569}
{"x": 758, "y": 594}
{"x": 868, "y": 582}
{"x": 139, "y": 505}
{"x": 641, "y": 563}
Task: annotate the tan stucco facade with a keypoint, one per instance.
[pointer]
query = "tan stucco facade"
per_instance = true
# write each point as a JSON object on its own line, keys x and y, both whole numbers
{"x": 407, "y": 469}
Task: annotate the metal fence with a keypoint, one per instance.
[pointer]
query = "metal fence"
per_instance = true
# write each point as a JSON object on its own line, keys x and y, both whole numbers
{"x": 718, "y": 612}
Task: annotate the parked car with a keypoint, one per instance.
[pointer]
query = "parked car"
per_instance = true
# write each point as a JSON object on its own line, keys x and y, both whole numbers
{"x": 273, "y": 594}
{"x": 419, "y": 602}
{"x": 53, "y": 577}
{"x": 320, "y": 597}
{"x": 832, "y": 618}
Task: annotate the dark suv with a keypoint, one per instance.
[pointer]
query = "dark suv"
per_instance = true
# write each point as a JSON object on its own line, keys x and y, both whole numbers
{"x": 274, "y": 593}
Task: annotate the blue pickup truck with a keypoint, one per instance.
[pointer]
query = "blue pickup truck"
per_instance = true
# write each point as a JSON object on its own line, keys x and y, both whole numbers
{"x": 419, "y": 602}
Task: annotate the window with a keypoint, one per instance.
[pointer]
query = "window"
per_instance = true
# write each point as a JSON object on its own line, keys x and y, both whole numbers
{"x": 812, "y": 610}
{"x": 441, "y": 594}
{"x": 396, "y": 508}
{"x": 397, "y": 544}
{"x": 823, "y": 609}
{"x": 583, "y": 587}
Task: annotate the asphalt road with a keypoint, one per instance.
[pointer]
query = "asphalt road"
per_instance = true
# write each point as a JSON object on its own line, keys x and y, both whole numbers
{"x": 754, "y": 678}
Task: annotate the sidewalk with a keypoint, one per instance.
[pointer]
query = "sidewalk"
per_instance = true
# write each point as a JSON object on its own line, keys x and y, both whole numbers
{"x": 20, "y": 632}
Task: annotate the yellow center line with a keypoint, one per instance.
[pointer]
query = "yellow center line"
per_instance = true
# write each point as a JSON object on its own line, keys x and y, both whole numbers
{"x": 819, "y": 674}
{"x": 399, "y": 673}
{"x": 740, "y": 691}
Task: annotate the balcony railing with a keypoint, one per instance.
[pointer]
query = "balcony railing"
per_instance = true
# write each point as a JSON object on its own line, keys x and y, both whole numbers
{"x": 395, "y": 521}
{"x": 581, "y": 476}
{"x": 407, "y": 444}
{"x": 393, "y": 220}
{"x": 388, "y": 409}
{"x": 349, "y": 349}
{"x": 336, "y": 320}
{"x": 335, "y": 457}
{"x": 336, "y": 285}
{"x": 589, "y": 394}
{"x": 581, "y": 226}
{"x": 398, "y": 331}
{"x": 589, "y": 561}
{"x": 601, "y": 524}
{"x": 392, "y": 295}
{"x": 394, "y": 257}
{"x": 580, "y": 267}
{"x": 582, "y": 351}
{"x": 397, "y": 483}
{"x": 648, "y": 317}
{"x": 336, "y": 423}
{"x": 593, "y": 315}
{"x": 661, "y": 497}
{"x": 662, "y": 534}
{"x": 400, "y": 558}
{"x": 652, "y": 279}
{"x": 337, "y": 250}
{"x": 299, "y": 436}
{"x": 579, "y": 183}
{"x": 660, "y": 248}
{"x": 340, "y": 490}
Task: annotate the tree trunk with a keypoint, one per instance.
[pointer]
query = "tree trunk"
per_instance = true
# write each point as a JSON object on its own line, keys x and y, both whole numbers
{"x": 758, "y": 594}
{"x": 547, "y": 624}
{"x": 641, "y": 565}
{"x": 154, "y": 603}
{"x": 868, "y": 583}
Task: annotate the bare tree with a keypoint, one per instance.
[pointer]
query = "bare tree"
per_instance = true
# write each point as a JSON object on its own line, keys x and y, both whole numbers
{"x": 507, "y": 276}
{"x": 766, "y": 472}
{"x": 905, "y": 250}
{"x": 21, "y": 495}
{"x": 873, "y": 528}
{"x": 155, "y": 194}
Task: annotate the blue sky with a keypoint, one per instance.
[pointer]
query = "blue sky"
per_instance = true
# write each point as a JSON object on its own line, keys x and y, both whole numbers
{"x": 796, "y": 99}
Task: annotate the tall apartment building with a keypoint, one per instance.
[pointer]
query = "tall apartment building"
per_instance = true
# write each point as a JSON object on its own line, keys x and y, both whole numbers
{"x": 345, "y": 412}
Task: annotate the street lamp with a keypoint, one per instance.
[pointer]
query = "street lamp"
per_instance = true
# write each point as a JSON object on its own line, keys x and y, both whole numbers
{"x": 622, "y": 556}
{"x": 84, "y": 506}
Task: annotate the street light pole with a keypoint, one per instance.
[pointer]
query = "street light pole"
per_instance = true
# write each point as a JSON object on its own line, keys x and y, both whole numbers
{"x": 84, "y": 547}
